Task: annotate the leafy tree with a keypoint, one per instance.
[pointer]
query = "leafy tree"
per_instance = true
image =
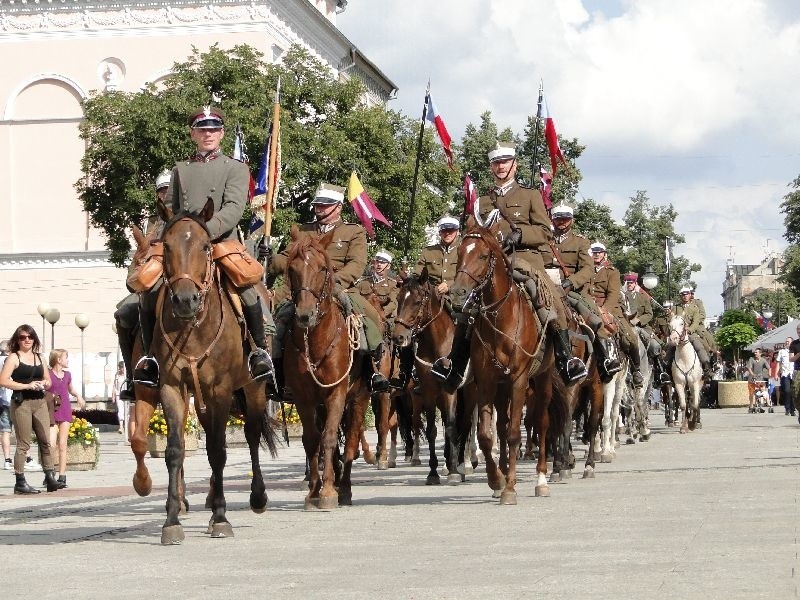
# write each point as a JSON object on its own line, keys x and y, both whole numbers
{"x": 732, "y": 338}
{"x": 594, "y": 221}
{"x": 782, "y": 303}
{"x": 475, "y": 144}
{"x": 790, "y": 272}
{"x": 566, "y": 180}
{"x": 737, "y": 315}
{"x": 326, "y": 132}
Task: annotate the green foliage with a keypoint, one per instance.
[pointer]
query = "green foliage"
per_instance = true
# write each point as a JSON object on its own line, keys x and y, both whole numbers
{"x": 790, "y": 270}
{"x": 474, "y": 147}
{"x": 734, "y": 337}
{"x": 736, "y": 315}
{"x": 791, "y": 208}
{"x": 782, "y": 303}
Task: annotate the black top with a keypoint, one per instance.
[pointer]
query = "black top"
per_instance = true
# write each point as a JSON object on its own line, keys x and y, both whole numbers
{"x": 794, "y": 348}
{"x": 27, "y": 373}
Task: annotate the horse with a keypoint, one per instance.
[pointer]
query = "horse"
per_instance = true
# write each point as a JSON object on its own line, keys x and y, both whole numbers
{"x": 508, "y": 348}
{"x": 324, "y": 369}
{"x": 613, "y": 391}
{"x": 423, "y": 321}
{"x": 198, "y": 343}
{"x": 687, "y": 373}
{"x": 637, "y": 413}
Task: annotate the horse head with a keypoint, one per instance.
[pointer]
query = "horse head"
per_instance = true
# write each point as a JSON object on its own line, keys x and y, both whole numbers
{"x": 188, "y": 267}
{"x": 310, "y": 276}
{"x": 677, "y": 330}
{"x": 477, "y": 257}
{"x": 412, "y": 302}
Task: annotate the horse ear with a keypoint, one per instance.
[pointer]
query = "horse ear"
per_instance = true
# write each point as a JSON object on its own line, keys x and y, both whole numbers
{"x": 423, "y": 276}
{"x": 470, "y": 223}
{"x": 164, "y": 212}
{"x": 138, "y": 236}
{"x": 295, "y": 232}
{"x": 208, "y": 210}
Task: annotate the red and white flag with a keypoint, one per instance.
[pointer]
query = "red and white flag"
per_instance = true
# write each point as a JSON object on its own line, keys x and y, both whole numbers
{"x": 551, "y": 137}
{"x": 547, "y": 187}
{"x": 432, "y": 115}
{"x": 470, "y": 196}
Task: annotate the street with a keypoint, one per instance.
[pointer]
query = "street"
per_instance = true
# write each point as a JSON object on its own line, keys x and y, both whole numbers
{"x": 710, "y": 514}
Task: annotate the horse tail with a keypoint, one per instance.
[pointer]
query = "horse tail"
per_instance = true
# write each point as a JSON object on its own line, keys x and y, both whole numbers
{"x": 404, "y": 418}
{"x": 558, "y": 409}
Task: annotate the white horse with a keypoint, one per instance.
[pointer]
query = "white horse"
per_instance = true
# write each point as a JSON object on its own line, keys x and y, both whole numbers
{"x": 637, "y": 415}
{"x": 612, "y": 398}
{"x": 687, "y": 373}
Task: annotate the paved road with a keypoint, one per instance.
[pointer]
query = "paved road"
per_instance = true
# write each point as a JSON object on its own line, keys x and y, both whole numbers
{"x": 712, "y": 514}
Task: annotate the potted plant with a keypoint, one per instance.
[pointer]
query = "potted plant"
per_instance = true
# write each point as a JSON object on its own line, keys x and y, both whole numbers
{"x": 294, "y": 427}
{"x": 234, "y": 432}
{"x": 83, "y": 446}
{"x": 157, "y": 431}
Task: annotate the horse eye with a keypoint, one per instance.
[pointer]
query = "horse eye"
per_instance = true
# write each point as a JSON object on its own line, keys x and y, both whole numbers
{"x": 484, "y": 257}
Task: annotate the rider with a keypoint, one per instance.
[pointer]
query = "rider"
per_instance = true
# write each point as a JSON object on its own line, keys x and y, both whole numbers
{"x": 347, "y": 252}
{"x": 526, "y": 233}
{"x": 640, "y": 314}
{"x": 604, "y": 288}
{"x": 570, "y": 255}
{"x": 378, "y": 283}
{"x": 209, "y": 174}
{"x": 694, "y": 315}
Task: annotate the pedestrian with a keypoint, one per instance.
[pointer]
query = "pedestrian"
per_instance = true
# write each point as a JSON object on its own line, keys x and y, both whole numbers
{"x": 757, "y": 369}
{"x": 24, "y": 373}
{"x": 61, "y": 386}
{"x": 5, "y": 414}
{"x": 786, "y": 372}
{"x": 123, "y": 408}
{"x": 794, "y": 357}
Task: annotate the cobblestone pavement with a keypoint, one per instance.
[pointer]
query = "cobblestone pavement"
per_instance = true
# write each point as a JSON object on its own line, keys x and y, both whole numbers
{"x": 711, "y": 514}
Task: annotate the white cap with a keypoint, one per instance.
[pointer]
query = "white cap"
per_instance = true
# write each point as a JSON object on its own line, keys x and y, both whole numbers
{"x": 327, "y": 193}
{"x": 597, "y": 247}
{"x": 562, "y": 210}
{"x": 502, "y": 151}
{"x": 163, "y": 180}
{"x": 686, "y": 289}
{"x": 448, "y": 223}
{"x": 668, "y": 304}
{"x": 383, "y": 255}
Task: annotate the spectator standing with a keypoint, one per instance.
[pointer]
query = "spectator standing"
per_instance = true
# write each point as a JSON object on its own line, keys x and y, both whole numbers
{"x": 786, "y": 369}
{"x": 61, "y": 384}
{"x": 123, "y": 408}
{"x": 757, "y": 369}
{"x": 794, "y": 357}
{"x": 5, "y": 414}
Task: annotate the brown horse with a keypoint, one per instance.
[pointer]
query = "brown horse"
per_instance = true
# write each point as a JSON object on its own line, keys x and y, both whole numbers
{"x": 324, "y": 370}
{"x": 423, "y": 320}
{"x": 198, "y": 344}
{"x": 508, "y": 348}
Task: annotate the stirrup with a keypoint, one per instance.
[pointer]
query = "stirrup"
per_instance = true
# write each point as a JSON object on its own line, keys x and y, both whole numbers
{"x": 575, "y": 369}
{"x": 611, "y": 366}
{"x": 664, "y": 378}
{"x": 259, "y": 363}
{"x": 441, "y": 368}
{"x": 146, "y": 372}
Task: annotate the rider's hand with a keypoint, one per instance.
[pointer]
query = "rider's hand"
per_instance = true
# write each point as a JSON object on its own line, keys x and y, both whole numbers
{"x": 264, "y": 251}
{"x": 514, "y": 238}
{"x": 567, "y": 285}
{"x": 442, "y": 288}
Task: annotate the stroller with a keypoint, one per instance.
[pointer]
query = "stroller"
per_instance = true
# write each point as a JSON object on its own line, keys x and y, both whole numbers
{"x": 763, "y": 401}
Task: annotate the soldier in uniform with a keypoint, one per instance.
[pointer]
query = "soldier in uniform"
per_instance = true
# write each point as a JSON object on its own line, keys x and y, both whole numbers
{"x": 347, "y": 252}
{"x": 526, "y": 232}
{"x": 440, "y": 259}
{"x": 694, "y": 315}
{"x": 640, "y": 314}
{"x": 209, "y": 174}
{"x": 379, "y": 284}
{"x": 604, "y": 288}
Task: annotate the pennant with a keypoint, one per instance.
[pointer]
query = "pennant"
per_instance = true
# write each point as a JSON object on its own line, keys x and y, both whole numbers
{"x": 363, "y": 205}
{"x": 551, "y": 137}
{"x": 547, "y": 187}
{"x": 470, "y": 196}
{"x": 240, "y": 154}
{"x": 432, "y": 115}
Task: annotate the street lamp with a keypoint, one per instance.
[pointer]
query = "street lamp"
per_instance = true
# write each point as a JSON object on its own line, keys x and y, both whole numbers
{"x": 766, "y": 312}
{"x": 82, "y": 321}
{"x": 649, "y": 279}
{"x": 52, "y": 316}
{"x": 42, "y": 309}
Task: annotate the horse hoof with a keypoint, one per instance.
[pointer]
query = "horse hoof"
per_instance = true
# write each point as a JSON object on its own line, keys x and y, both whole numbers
{"x": 258, "y": 503}
{"x": 542, "y": 491}
{"x": 415, "y": 462}
{"x": 497, "y": 493}
{"x": 223, "y": 529}
{"x": 630, "y": 441}
{"x": 555, "y": 477}
{"x": 328, "y": 502}
{"x": 311, "y": 504}
{"x": 383, "y": 465}
{"x": 468, "y": 469}
{"x": 566, "y": 474}
{"x": 645, "y": 437}
{"x": 616, "y": 443}
{"x": 392, "y": 464}
{"x": 508, "y": 498}
{"x": 606, "y": 457}
{"x": 143, "y": 486}
{"x": 528, "y": 456}
{"x": 345, "y": 499}
{"x": 699, "y": 425}
{"x": 588, "y": 473}
{"x": 474, "y": 462}
{"x": 369, "y": 458}
{"x": 432, "y": 479}
{"x": 172, "y": 535}
{"x": 454, "y": 478}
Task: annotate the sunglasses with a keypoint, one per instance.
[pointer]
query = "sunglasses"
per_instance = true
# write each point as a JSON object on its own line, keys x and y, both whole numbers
{"x": 23, "y": 336}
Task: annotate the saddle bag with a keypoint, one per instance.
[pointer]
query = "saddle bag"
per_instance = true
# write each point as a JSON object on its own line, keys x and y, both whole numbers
{"x": 148, "y": 270}
{"x": 241, "y": 268}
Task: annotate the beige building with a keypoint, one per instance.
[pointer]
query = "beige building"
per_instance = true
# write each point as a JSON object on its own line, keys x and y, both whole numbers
{"x": 54, "y": 53}
{"x": 742, "y": 281}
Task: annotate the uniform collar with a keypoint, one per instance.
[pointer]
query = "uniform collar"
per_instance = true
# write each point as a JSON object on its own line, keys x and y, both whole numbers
{"x": 560, "y": 238}
{"x": 502, "y": 190}
{"x": 206, "y": 157}
{"x": 325, "y": 228}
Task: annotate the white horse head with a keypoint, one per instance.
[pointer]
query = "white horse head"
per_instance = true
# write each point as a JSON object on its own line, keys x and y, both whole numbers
{"x": 677, "y": 330}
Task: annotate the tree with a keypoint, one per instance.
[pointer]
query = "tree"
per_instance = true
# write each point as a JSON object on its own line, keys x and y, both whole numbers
{"x": 736, "y": 315}
{"x": 474, "y": 147}
{"x": 790, "y": 271}
{"x": 781, "y": 303}
{"x": 732, "y": 338}
{"x": 326, "y": 132}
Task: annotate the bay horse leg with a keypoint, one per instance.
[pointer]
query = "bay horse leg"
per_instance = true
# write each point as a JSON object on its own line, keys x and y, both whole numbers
{"x": 254, "y": 420}
{"x": 501, "y": 410}
{"x": 328, "y": 496}
{"x": 144, "y": 408}
{"x": 529, "y": 426}
{"x": 448, "y": 408}
{"x": 544, "y": 393}
{"x": 381, "y": 407}
{"x": 513, "y": 438}
{"x": 354, "y": 423}
{"x": 495, "y": 478}
{"x": 592, "y": 423}
{"x": 218, "y": 525}
{"x": 369, "y": 455}
{"x": 430, "y": 435}
{"x": 393, "y": 429}
{"x": 473, "y": 430}
{"x": 416, "y": 427}
{"x": 311, "y": 444}
{"x": 175, "y": 416}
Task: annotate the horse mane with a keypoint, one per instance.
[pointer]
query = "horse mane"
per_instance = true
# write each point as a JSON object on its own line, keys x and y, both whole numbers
{"x": 487, "y": 235}
{"x": 185, "y": 214}
{"x": 307, "y": 242}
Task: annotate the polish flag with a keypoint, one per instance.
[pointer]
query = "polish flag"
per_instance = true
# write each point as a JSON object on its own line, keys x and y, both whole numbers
{"x": 551, "y": 138}
{"x": 432, "y": 115}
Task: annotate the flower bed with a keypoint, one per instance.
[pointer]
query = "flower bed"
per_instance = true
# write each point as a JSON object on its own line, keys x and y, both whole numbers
{"x": 83, "y": 446}
{"x": 157, "y": 431}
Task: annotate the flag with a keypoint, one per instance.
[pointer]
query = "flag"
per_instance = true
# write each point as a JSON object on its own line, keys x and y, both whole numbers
{"x": 470, "y": 196}
{"x": 547, "y": 187}
{"x": 363, "y": 205}
{"x": 551, "y": 137}
{"x": 240, "y": 155}
{"x": 667, "y": 257}
{"x": 268, "y": 179}
{"x": 432, "y": 115}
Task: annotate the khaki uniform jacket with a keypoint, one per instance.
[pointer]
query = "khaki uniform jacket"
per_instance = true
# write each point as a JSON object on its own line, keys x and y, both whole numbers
{"x": 573, "y": 249}
{"x": 441, "y": 262}
{"x": 661, "y": 326}
{"x": 694, "y": 314}
{"x": 225, "y": 180}
{"x": 347, "y": 251}
{"x": 640, "y": 308}
{"x": 385, "y": 289}
{"x": 524, "y": 209}
{"x": 604, "y": 288}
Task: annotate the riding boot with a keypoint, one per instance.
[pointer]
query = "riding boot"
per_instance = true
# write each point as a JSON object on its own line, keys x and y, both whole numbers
{"x": 259, "y": 361}
{"x": 146, "y": 371}
{"x": 636, "y": 366}
{"x": 61, "y": 484}
{"x": 51, "y": 482}
{"x": 22, "y": 487}
{"x": 377, "y": 382}
{"x": 571, "y": 367}
{"x": 404, "y": 371}
{"x": 126, "y": 338}
{"x": 453, "y": 368}
{"x": 702, "y": 356}
{"x": 660, "y": 368}
{"x": 608, "y": 366}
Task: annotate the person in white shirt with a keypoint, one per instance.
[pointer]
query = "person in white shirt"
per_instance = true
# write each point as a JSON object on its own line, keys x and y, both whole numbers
{"x": 786, "y": 370}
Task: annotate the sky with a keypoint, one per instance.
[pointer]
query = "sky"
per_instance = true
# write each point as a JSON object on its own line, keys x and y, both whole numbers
{"x": 693, "y": 102}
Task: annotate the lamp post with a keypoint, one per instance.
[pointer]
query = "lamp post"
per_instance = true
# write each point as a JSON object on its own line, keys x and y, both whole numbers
{"x": 42, "y": 310}
{"x": 766, "y": 312}
{"x": 52, "y": 316}
{"x": 649, "y": 282}
{"x": 82, "y": 321}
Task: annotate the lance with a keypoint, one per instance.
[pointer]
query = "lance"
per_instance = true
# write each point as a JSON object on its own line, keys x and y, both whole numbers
{"x": 272, "y": 179}
{"x": 535, "y": 159}
{"x": 407, "y": 244}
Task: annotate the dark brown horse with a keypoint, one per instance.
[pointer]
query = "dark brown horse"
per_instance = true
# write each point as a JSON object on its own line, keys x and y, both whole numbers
{"x": 198, "y": 344}
{"x": 508, "y": 348}
{"x": 324, "y": 370}
{"x": 422, "y": 320}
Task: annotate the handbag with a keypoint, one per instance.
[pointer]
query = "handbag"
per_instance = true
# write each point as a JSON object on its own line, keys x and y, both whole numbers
{"x": 241, "y": 268}
{"x": 53, "y": 400}
{"x": 147, "y": 270}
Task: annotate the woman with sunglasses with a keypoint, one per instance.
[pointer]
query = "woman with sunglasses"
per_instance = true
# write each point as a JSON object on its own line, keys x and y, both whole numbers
{"x": 24, "y": 374}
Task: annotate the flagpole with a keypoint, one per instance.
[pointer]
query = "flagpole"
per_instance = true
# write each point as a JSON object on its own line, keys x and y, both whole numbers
{"x": 534, "y": 181}
{"x": 416, "y": 173}
{"x": 668, "y": 265}
{"x": 276, "y": 115}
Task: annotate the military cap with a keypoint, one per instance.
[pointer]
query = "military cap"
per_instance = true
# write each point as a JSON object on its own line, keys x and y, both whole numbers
{"x": 563, "y": 211}
{"x": 502, "y": 151}
{"x": 448, "y": 223}
{"x": 669, "y": 304}
{"x": 687, "y": 289}
{"x": 631, "y": 277}
{"x": 383, "y": 255}
{"x": 163, "y": 180}
{"x": 327, "y": 193}
{"x": 597, "y": 247}
{"x": 207, "y": 117}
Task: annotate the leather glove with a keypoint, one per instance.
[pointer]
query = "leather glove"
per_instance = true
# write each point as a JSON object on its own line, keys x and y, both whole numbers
{"x": 514, "y": 238}
{"x": 567, "y": 285}
{"x": 264, "y": 251}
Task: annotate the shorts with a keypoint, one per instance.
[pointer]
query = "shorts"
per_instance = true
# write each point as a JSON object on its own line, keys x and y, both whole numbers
{"x": 5, "y": 419}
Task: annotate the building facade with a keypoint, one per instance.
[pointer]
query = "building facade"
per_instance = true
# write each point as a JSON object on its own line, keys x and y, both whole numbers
{"x": 743, "y": 281}
{"x": 58, "y": 52}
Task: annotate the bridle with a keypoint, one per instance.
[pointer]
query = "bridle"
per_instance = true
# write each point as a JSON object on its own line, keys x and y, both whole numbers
{"x": 414, "y": 327}
{"x": 320, "y": 296}
{"x": 482, "y": 283}
{"x": 682, "y": 335}
{"x": 202, "y": 286}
